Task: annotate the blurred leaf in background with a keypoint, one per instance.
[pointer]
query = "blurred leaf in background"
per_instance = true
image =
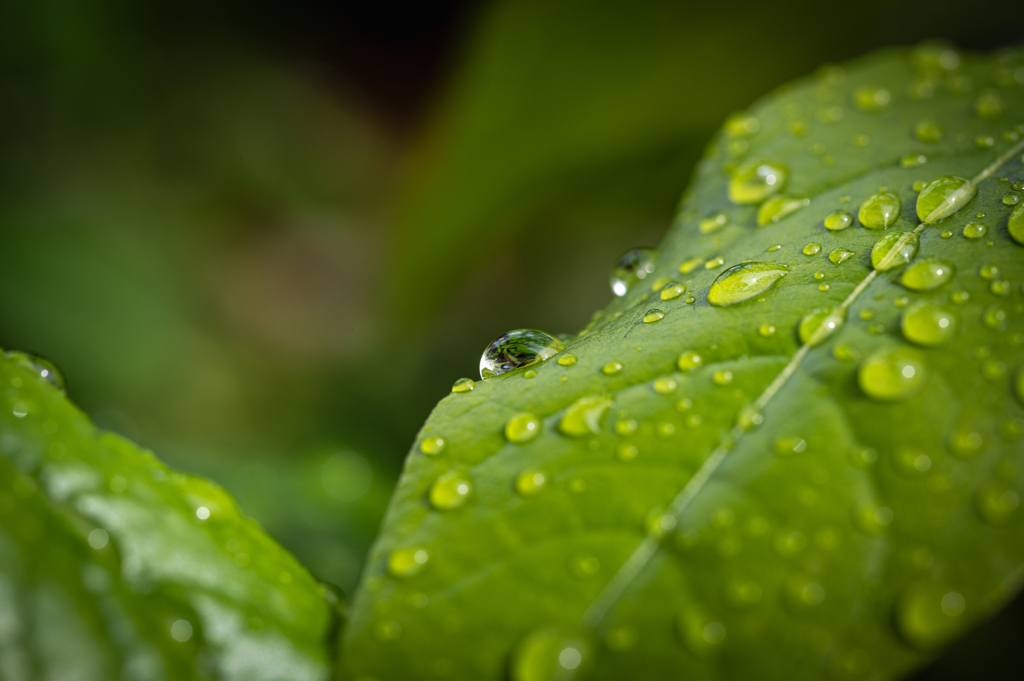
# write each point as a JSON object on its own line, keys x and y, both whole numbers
{"x": 263, "y": 239}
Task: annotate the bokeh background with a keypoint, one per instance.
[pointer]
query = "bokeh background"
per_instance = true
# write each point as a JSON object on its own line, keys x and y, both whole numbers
{"x": 264, "y": 238}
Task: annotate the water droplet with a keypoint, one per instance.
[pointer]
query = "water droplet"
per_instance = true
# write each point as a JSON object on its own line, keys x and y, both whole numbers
{"x": 928, "y": 132}
{"x": 529, "y": 373}
{"x": 432, "y": 445}
{"x": 713, "y": 223}
{"x": 988, "y": 272}
{"x": 927, "y": 615}
{"x": 567, "y": 360}
{"x": 714, "y": 262}
{"x": 672, "y": 291}
{"x": 913, "y": 160}
{"x": 722, "y": 377}
{"x": 943, "y": 197}
{"x": 626, "y": 452}
{"x": 812, "y": 249}
{"x": 745, "y": 281}
{"x": 989, "y": 105}
{"x": 871, "y": 98}
{"x": 927, "y": 274}
{"x": 880, "y": 211}
{"x": 701, "y": 636}
{"x": 632, "y": 266}
{"x": 891, "y": 374}
{"x": 789, "y": 445}
{"x": 996, "y": 502}
{"x": 621, "y": 638}
{"x": 664, "y": 385}
{"x": 911, "y": 463}
{"x": 766, "y": 330}
{"x": 689, "y": 360}
{"x": 463, "y": 385}
{"x": 872, "y": 520}
{"x": 612, "y": 368}
{"x": 550, "y": 654}
{"x": 819, "y": 324}
{"x": 966, "y": 444}
{"x": 653, "y": 316}
{"x": 845, "y": 352}
{"x": 522, "y": 428}
{"x": 1016, "y": 224}
{"x": 583, "y": 418}
{"x": 626, "y": 426}
{"x": 840, "y": 255}
{"x": 755, "y": 182}
{"x": 530, "y": 483}
{"x": 773, "y": 248}
{"x": 1000, "y": 287}
{"x": 451, "y": 490}
{"x": 894, "y": 250}
{"x": 802, "y": 594}
{"x": 41, "y": 367}
{"x": 838, "y": 220}
{"x": 927, "y": 324}
{"x": 994, "y": 318}
{"x": 1011, "y": 199}
{"x": 975, "y": 230}
{"x": 407, "y": 562}
{"x": 778, "y": 207}
{"x": 690, "y": 265}
{"x": 518, "y": 348}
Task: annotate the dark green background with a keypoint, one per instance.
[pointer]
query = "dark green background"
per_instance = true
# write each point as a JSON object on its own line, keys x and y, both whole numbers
{"x": 264, "y": 238}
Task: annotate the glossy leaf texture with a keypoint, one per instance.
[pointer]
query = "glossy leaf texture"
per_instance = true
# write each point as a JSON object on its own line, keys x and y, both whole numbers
{"x": 112, "y": 566}
{"x": 815, "y": 475}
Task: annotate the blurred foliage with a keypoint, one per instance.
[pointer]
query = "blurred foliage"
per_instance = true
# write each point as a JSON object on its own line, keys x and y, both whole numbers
{"x": 241, "y": 260}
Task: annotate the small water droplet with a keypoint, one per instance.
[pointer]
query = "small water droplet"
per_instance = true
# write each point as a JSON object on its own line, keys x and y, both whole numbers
{"x": 713, "y": 223}
{"x": 672, "y": 290}
{"x": 894, "y": 250}
{"x": 407, "y": 562}
{"x": 773, "y": 248}
{"x": 845, "y": 352}
{"x": 913, "y": 160}
{"x": 871, "y": 98}
{"x": 989, "y": 105}
{"x": 690, "y": 265}
{"x": 621, "y": 638}
{"x": 41, "y": 367}
{"x": 522, "y": 428}
{"x": 451, "y": 490}
{"x": 722, "y": 377}
{"x": 965, "y": 443}
{"x": 432, "y": 445}
{"x": 584, "y": 416}
{"x": 838, "y": 220}
{"x": 812, "y": 249}
{"x": 839, "y": 256}
{"x": 988, "y": 272}
{"x": 755, "y": 182}
{"x": 530, "y": 483}
{"x": 928, "y": 132}
{"x": 776, "y": 208}
{"x": 744, "y": 281}
{"x": 612, "y": 368}
{"x": 518, "y": 348}
{"x": 1011, "y": 199}
{"x": 653, "y": 316}
{"x": 463, "y": 385}
{"x": 880, "y": 211}
{"x": 714, "y": 262}
{"x": 996, "y": 502}
{"x": 790, "y": 445}
{"x": 567, "y": 360}
{"x": 664, "y": 385}
{"x": 689, "y": 360}
{"x": 892, "y": 374}
{"x": 927, "y": 274}
{"x": 701, "y": 636}
{"x": 975, "y": 230}
{"x": 550, "y": 654}
{"x": 944, "y": 196}
{"x": 872, "y": 520}
{"x": 927, "y": 324}
{"x": 766, "y": 330}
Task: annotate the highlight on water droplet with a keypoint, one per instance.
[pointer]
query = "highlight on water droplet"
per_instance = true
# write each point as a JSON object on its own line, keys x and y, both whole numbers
{"x": 530, "y": 483}
{"x": 451, "y": 490}
{"x": 755, "y": 182}
{"x": 550, "y": 654}
{"x": 522, "y": 428}
{"x": 632, "y": 266}
{"x": 891, "y": 374}
{"x": 745, "y": 281}
{"x": 432, "y": 445}
{"x": 463, "y": 385}
{"x": 880, "y": 211}
{"x": 516, "y": 349}
{"x": 893, "y": 250}
{"x": 653, "y": 316}
{"x": 928, "y": 324}
{"x": 944, "y": 196}
{"x": 583, "y": 418}
{"x": 928, "y": 274}
{"x": 819, "y": 324}
{"x": 407, "y": 562}
{"x": 776, "y": 208}
{"x": 838, "y": 220}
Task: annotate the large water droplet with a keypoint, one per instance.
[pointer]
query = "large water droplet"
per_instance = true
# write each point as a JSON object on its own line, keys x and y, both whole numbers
{"x": 450, "y": 490}
{"x": 755, "y": 182}
{"x": 1016, "y": 224}
{"x": 928, "y": 324}
{"x": 41, "y": 367}
{"x": 632, "y": 266}
{"x": 583, "y": 418}
{"x": 892, "y": 374}
{"x": 943, "y": 197}
{"x": 407, "y": 562}
{"x": 522, "y": 428}
{"x": 927, "y": 274}
{"x": 819, "y": 324}
{"x": 745, "y": 281}
{"x": 518, "y": 348}
{"x": 776, "y": 208}
{"x": 880, "y": 211}
{"x": 550, "y": 654}
{"x": 894, "y": 250}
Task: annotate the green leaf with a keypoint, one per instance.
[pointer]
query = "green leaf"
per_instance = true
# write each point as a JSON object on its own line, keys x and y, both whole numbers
{"x": 753, "y": 505}
{"x": 113, "y": 566}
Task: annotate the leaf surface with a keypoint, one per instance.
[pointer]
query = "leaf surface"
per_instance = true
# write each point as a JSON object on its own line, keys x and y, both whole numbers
{"x": 832, "y": 498}
{"x": 113, "y": 566}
